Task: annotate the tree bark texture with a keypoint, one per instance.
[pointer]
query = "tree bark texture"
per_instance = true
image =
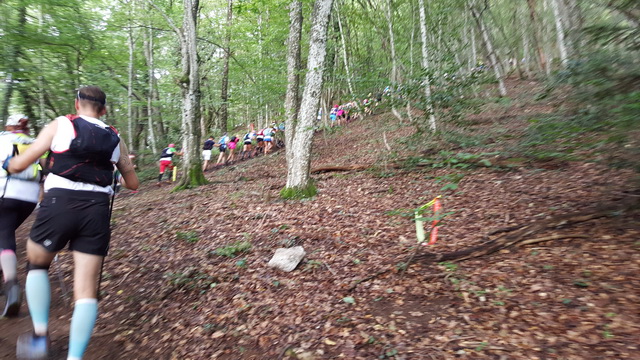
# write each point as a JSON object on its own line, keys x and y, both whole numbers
{"x": 425, "y": 65}
{"x": 560, "y": 32}
{"x": 190, "y": 129}
{"x": 535, "y": 25}
{"x": 148, "y": 46}
{"x": 298, "y": 169}
{"x": 291, "y": 104}
{"x": 493, "y": 57}
{"x": 130, "y": 118}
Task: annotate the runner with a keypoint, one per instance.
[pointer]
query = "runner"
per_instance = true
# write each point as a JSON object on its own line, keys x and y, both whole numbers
{"x": 166, "y": 160}
{"x": 268, "y": 132}
{"x": 259, "y": 143}
{"x": 233, "y": 142}
{"x": 222, "y": 146}
{"x": 20, "y": 193}
{"x": 206, "y": 152}
{"x": 340, "y": 114}
{"x": 333, "y": 115}
{"x": 246, "y": 147}
{"x": 75, "y": 210}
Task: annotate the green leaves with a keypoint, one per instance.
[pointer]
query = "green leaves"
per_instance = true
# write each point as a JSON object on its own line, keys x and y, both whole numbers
{"x": 232, "y": 249}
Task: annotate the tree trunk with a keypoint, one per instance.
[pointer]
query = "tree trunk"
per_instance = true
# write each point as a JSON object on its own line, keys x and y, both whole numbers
{"x": 148, "y": 46}
{"x": 13, "y": 66}
{"x": 474, "y": 50}
{"x": 394, "y": 61}
{"x": 41, "y": 90}
{"x": 344, "y": 53}
{"x": 425, "y": 66}
{"x": 298, "y": 179}
{"x": 224, "y": 92}
{"x": 535, "y": 24}
{"x": 130, "y": 117}
{"x": 526, "y": 44}
{"x": 493, "y": 57}
{"x": 560, "y": 32}
{"x": 291, "y": 104}
{"x": 190, "y": 85}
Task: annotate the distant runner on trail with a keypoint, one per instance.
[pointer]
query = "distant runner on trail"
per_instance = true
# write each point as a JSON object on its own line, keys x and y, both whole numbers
{"x": 222, "y": 146}
{"x": 166, "y": 160}
{"x": 269, "y": 133}
{"x": 259, "y": 142}
{"x": 233, "y": 142}
{"x": 206, "y": 152}
{"x": 75, "y": 210}
{"x": 247, "y": 141}
{"x": 20, "y": 194}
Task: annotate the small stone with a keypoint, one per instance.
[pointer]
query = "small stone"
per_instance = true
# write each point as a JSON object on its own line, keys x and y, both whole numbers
{"x": 287, "y": 259}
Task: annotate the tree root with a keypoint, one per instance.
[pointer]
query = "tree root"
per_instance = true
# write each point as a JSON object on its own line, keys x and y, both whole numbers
{"x": 516, "y": 235}
{"x": 336, "y": 168}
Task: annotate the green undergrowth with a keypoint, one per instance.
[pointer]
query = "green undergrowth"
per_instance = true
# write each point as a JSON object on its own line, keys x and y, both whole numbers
{"x": 599, "y": 118}
{"x": 232, "y": 250}
{"x": 449, "y": 159}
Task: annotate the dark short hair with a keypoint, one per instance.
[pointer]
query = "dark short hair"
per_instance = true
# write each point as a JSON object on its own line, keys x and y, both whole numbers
{"x": 92, "y": 96}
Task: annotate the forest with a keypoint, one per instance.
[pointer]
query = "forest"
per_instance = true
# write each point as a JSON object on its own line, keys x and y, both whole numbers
{"x": 521, "y": 116}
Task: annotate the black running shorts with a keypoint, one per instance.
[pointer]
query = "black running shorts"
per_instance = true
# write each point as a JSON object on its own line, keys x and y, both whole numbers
{"x": 80, "y": 218}
{"x": 12, "y": 213}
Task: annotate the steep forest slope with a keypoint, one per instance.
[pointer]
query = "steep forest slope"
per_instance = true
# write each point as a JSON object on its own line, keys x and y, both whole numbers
{"x": 182, "y": 283}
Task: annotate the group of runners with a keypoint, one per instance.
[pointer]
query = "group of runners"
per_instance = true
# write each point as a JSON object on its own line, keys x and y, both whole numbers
{"x": 78, "y": 154}
{"x": 254, "y": 143}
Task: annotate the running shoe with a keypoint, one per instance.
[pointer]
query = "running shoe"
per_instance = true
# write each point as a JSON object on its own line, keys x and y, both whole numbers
{"x": 13, "y": 294}
{"x": 32, "y": 347}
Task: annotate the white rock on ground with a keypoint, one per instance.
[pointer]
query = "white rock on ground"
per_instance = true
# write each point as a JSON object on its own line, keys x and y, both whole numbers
{"x": 286, "y": 259}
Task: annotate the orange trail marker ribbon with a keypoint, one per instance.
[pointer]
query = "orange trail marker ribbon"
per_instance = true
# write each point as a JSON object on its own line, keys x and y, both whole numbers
{"x": 437, "y": 207}
{"x": 420, "y": 235}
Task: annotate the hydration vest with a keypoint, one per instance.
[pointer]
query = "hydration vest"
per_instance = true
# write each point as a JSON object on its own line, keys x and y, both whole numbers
{"x": 88, "y": 158}
{"x": 166, "y": 153}
{"x": 208, "y": 145}
{"x": 12, "y": 144}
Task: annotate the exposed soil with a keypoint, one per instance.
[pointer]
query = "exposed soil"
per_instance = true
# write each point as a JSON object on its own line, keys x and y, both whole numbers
{"x": 169, "y": 296}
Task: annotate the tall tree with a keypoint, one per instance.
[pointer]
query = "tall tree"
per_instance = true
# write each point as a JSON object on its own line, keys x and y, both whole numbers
{"x": 291, "y": 104}
{"x": 13, "y": 54}
{"x": 298, "y": 179}
{"x": 491, "y": 51}
{"x": 190, "y": 89}
{"x": 190, "y": 128}
{"x": 130, "y": 119}
{"x": 560, "y": 32}
{"x": 425, "y": 66}
{"x": 148, "y": 54}
{"x": 224, "y": 92}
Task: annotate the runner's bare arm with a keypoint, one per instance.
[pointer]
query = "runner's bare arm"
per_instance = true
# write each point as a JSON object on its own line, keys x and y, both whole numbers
{"x": 36, "y": 150}
{"x": 125, "y": 166}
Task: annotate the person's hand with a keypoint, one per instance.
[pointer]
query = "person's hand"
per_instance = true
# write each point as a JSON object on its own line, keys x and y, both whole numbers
{"x": 5, "y": 164}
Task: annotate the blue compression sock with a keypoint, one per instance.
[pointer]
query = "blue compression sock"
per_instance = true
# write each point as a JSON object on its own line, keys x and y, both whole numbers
{"x": 38, "y": 298}
{"x": 84, "y": 318}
